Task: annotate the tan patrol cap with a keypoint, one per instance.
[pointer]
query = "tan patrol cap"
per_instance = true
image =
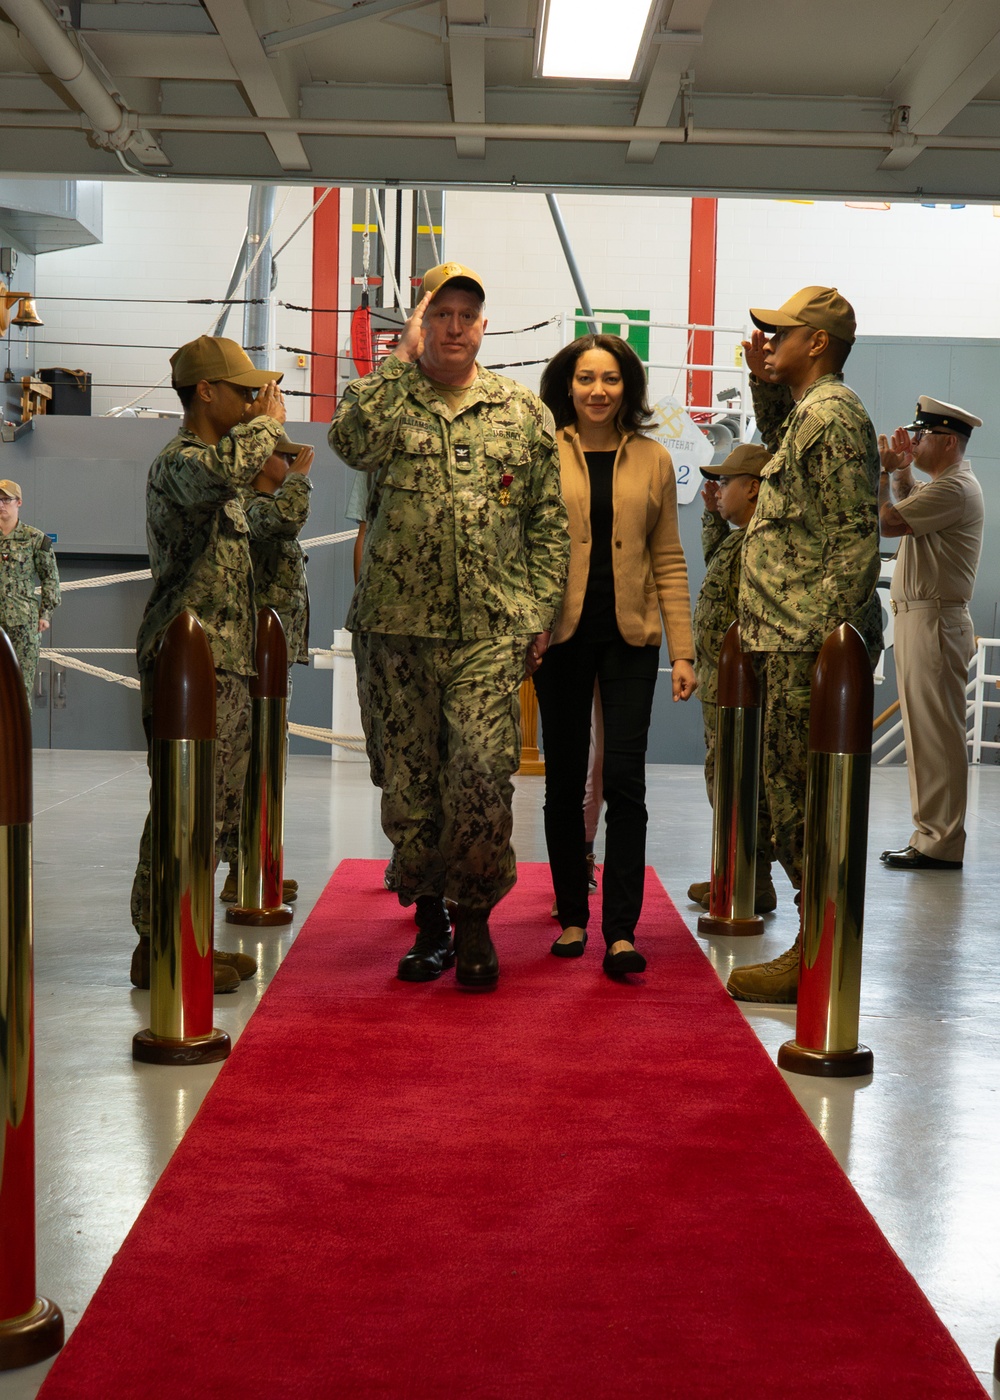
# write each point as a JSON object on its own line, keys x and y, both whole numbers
{"x": 286, "y": 448}
{"x": 822, "y": 308}
{"x": 749, "y": 459}
{"x": 212, "y": 357}
{"x": 11, "y": 488}
{"x": 932, "y": 413}
{"x": 437, "y": 277}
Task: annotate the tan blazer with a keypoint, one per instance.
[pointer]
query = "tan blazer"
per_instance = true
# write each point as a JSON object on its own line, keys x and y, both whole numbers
{"x": 647, "y": 558}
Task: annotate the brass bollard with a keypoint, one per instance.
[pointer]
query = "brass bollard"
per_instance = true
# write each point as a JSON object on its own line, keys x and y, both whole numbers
{"x": 734, "y": 805}
{"x": 31, "y": 1328}
{"x": 182, "y": 894}
{"x": 262, "y": 819}
{"x": 833, "y": 867}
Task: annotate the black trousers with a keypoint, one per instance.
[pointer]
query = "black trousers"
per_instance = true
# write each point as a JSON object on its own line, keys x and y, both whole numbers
{"x": 565, "y": 687}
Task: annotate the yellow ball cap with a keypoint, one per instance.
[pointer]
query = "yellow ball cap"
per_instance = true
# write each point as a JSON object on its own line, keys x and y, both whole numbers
{"x": 437, "y": 277}
{"x": 11, "y": 488}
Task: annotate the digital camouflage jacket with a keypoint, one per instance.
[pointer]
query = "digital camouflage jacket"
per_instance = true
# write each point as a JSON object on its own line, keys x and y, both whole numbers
{"x": 27, "y": 554}
{"x": 467, "y": 532}
{"x": 810, "y": 556}
{"x": 279, "y": 565}
{"x": 197, "y": 534}
{"x": 718, "y": 599}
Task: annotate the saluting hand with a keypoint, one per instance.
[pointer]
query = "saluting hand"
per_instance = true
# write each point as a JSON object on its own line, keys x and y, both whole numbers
{"x": 753, "y": 352}
{"x": 411, "y": 345}
{"x": 896, "y": 453}
{"x": 271, "y": 401}
{"x": 303, "y": 461}
{"x": 710, "y": 496}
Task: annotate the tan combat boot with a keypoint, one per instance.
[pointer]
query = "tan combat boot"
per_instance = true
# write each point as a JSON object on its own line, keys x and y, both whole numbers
{"x": 776, "y": 982}
{"x": 229, "y": 969}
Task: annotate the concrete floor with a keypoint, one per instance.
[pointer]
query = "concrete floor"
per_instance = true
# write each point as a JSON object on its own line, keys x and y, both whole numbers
{"x": 919, "y": 1140}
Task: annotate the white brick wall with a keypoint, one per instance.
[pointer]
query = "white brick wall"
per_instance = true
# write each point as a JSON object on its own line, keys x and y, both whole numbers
{"x": 908, "y": 271}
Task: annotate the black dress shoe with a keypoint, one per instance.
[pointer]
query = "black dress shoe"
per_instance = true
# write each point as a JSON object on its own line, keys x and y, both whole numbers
{"x": 909, "y": 858}
{"x": 619, "y": 964}
{"x": 477, "y": 964}
{"x": 433, "y": 950}
{"x": 569, "y": 950}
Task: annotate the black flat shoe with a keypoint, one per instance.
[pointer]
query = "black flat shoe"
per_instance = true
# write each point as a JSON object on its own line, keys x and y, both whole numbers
{"x": 569, "y": 950}
{"x": 620, "y": 964}
{"x": 909, "y": 858}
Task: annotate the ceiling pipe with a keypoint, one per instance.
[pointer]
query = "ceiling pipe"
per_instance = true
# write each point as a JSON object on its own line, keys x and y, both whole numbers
{"x": 114, "y": 126}
{"x": 498, "y": 131}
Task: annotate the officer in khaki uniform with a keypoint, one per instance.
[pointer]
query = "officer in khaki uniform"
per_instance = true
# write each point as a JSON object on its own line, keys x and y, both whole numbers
{"x": 465, "y": 561}
{"x": 199, "y": 555}
{"x": 810, "y": 556}
{"x": 25, "y": 554}
{"x": 730, "y": 497}
{"x": 941, "y": 524}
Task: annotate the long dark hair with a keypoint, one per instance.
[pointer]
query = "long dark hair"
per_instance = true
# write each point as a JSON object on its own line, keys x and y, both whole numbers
{"x": 557, "y": 377}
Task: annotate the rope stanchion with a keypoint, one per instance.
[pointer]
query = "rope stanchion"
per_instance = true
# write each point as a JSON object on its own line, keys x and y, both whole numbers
{"x": 31, "y": 1328}
{"x": 182, "y": 894}
{"x": 833, "y": 866}
{"x": 260, "y": 884}
{"x": 734, "y": 805}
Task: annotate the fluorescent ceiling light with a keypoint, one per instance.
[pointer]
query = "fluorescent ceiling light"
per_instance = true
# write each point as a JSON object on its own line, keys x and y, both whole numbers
{"x": 591, "y": 38}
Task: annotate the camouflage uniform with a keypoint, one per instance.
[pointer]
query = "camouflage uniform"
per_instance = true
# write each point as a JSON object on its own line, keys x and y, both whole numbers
{"x": 714, "y": 611}
{"x": 26, "y": 553}
{"x": 465, "y": 560}
{"x": 279, "y": 565}
{"x": 810, "y": 562}
{"x": 199, "y": 554}
{"x": 279, "y": 582}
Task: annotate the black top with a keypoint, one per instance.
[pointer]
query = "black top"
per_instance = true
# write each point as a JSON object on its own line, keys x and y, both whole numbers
{"x": 597, "y": 619}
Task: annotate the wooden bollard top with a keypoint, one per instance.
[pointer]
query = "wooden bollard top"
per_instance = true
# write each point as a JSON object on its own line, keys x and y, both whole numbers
{"x": 184, "y": 682}
{"x": 843, "y": 695}
{"x": 271, "y": 680}
{"x": 15, "y": 740}
{"x": 738, "y": 687}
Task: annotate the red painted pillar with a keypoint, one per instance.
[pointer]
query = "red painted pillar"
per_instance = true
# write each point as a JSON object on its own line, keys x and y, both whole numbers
{"x": 325, "y": 291}
{"x": 701, "y": 296}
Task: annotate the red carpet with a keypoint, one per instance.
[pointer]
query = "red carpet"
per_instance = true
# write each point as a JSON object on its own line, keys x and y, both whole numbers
{"x": 564, "y": 1188}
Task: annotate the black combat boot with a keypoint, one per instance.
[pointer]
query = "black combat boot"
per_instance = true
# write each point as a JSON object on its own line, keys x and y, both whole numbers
{"x": 477, "y": 958}
{"x": 433, "y": 951}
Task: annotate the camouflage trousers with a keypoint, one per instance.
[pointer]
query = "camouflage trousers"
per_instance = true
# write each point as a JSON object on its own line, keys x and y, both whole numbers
{"x": 765, "y": 843}
{"x": 25, "y": 640}
{"x": 442, "y": 726}
{"x": 232, "y": 752}
{"x": 785, "y": 679}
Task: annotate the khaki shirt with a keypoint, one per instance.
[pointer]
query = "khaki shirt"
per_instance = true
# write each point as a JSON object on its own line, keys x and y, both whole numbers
{"x": 718, "y": 599}
{"x": 197, "y": 534}
{"x": 279, "y": 565}
{"x": 810, "y": 556}
{"x": 467, "y": 534}
{"x": 27, "y": 554}
{"x": 939, "y": 560}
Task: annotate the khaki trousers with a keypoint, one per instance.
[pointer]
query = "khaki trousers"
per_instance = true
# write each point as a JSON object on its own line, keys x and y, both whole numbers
{"x": 933, "y": 649}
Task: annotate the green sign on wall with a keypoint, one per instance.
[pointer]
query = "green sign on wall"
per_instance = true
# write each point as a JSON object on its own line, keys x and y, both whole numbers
{"x": 636, "y": 336}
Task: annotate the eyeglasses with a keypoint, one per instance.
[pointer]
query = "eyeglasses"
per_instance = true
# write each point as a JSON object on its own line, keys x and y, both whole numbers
{"x": 8, "y": 501}
{"x": 919, "y": 433}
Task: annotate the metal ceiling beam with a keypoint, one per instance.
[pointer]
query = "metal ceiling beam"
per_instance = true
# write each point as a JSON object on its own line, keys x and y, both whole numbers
{"x": 184, "y": 57}
{"x": 953, "y": 63}
{"x": 243, "y": 45}
{"x": 367, "y": 9}
{"x": 467, "y": 66}
{"x": 205, "y": 124}
{"x": 679, "y": 36}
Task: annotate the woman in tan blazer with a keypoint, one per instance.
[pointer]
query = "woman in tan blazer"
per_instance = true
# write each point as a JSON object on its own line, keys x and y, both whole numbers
{"x": 626, "y": 571}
